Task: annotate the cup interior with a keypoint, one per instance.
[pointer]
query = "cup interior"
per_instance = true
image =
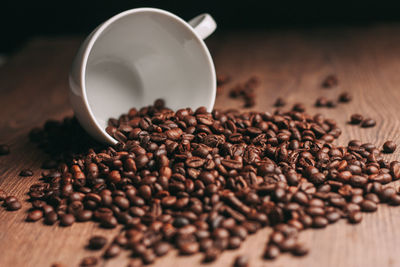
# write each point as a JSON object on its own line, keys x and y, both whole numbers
{"x": 142, "y": 56}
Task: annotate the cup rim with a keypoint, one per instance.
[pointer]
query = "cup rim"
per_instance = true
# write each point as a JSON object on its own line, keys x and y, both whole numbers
{"x": 100, "y": 29}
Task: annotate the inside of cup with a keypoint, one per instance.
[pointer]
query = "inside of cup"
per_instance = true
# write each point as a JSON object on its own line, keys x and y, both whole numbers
{"x": 143, "y": 56}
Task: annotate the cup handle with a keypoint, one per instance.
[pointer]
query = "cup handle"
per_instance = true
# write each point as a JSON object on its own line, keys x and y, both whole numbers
{"x": 204, "y": 25}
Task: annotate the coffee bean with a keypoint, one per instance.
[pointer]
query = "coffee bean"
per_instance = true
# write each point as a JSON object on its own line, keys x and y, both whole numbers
{"x": 4, "y": 149}
{"x": 330, "y": 81}
{"x": 14, "y": 205}
{"x": 241, "y": 261}
{"x": 389, "y": 147}
{"x": 34, "y": 215}
{"x": 321, "y": 102}
{"x": 189, "y": 248}
{"x": 26, "y": 173}
{"x": 345, "y": 97}
{"x": 367, "y": 123}
{"x": 162, "y": 248}
{"x": 109, "y": 222}
{"x": 355, "y": 217}
{"x": 3, "y": 195}
{"x": 320, "y": 222}
{"x": 137, "y": 262}
{"x": 280, "y": 102}
{"x": 356, "y": 119}
{"x": 368, "y": 205}
{"x": 300, "y": 249}
{"x": 84, "y": 215}
{"x": 211, "y": 255}
{"x": 67, "y": 219}
{"x": 271, "y": 252}
{"x": 97, "y": 242}
{"x": 112, "y": 251}
{"x": 89, "y": 261}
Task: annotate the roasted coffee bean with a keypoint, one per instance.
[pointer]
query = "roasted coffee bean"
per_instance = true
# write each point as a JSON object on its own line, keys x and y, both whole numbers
{"x": 241, "y": 261}
{"x": 300, "y": 249}
{"x": 345, "y": 97}
{"x": 26, "y": 173}
{"x": 320, "y": 222}
{"x": 189, "y": 248}
{"x": 112, "y": 251}
{"x": 356, "y": 119}
{"x": 271, "y": 252}
{"x": 137, "y": 262}
{"x": 162, "y": 248}
{"x": 368, "y": 205}
{"x": 67, "y": 219}
{"x": 389, "y": 147}
{"x": 330, "y": 81}
{"x": 280, "y": 102}
{"x": 34, "y": 215}
{"x": 89, "y": 261}
{"x": 14, "y": 205}
{"x": 4, "y": 149}
{"x": 355, "y": 217}
{"x": 97, "y": 242}
{"x": 84, "y": 215}
{"x": 367, "y": 123}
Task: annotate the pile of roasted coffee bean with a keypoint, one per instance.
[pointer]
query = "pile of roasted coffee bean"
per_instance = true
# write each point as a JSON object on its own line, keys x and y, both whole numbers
{"x": 202, "y": 182}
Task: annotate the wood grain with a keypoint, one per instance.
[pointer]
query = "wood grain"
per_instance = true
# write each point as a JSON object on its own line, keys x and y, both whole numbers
{"x": 290, "y": 63}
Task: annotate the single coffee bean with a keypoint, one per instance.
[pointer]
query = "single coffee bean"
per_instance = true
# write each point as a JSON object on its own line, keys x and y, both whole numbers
{"x": 345, "y": 97}
{"x": 330, "y": 81}
{"x": 389, "y": 147}
{"x": 89, "y": 261}
{"x": 280, "y": 102}
{"x": 300, "y": 249}
{"x": 189, "y": 248}
{"x": 356, "y": 119}
{"x": 112, "y": 251}
{"x": 26, "y": 173}
{"x": 50, "y": 218}
{"x": 355, "y": 217}
{"x": 162, "y": 248}
{"x": 97, "y": 242}
{"x": 34, "y": 215}
{"x": 137, "y": 262}
{"x": 271, "y": 252}
{"x": 67, "y": 220}
{"x": 367, "y": 123}
{"x": 15, "y": 205}
{"x": 241, "y": 261}
{"x": 4, "y": 149}
{"x": 368, "y": 205}
{"x": 320, "y": 222}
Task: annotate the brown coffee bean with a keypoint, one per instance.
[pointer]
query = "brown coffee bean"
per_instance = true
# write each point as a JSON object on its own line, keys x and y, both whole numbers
{"x": 97, "y": 242}
{"x": 162, "y": 248}
{"x": 26, "y": 173}
{"x": 330, "y": 81}
{"x": 345, "y": 97}
{"x": 320, "y": 222}
{"x": 389, "y": 147}
{"x": 355, "y": 217}
{"x": 112, "y": 251}
{"x": 137, "y": 262}
{"x": 14, "y": 205}
{"x": 67, "y": 219}
{"x": 367, "y": 123}
{"x": 84, "y": 215}
{"x": 4, "y": 149}
{"x": 241, "y": 261}
{"x": 280, "y": 102}
{"x": 89, "y": 261}
{"x": 368, "y": 205}
{"x": 34, "y": 215}
{"x": 189, "y": 248}
{"x": 271, "y": 252}
{"x": 300, "y": 249}
{"x": 356, "y": 119}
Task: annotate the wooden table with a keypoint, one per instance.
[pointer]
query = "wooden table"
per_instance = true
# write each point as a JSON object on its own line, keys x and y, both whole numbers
{"x": 292, "y": 63}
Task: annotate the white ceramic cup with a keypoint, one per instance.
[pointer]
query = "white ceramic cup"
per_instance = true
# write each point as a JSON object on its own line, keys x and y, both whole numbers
{"x": 136, "y": 57}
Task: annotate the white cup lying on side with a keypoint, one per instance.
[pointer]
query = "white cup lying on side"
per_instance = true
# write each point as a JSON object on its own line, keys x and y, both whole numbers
{"x": 136, "y": 57}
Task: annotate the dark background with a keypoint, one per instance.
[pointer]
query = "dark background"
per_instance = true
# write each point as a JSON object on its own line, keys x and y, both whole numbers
{"x": 23, "y": 19}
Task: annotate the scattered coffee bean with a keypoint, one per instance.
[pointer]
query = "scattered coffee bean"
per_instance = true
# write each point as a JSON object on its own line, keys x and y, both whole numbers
{"x": 4, "y": 150}
{"x": 330, "y": 81}
{"x": 345, "y": 97}
{"x": 26, "y": 172}
{"x": 34, "y": 215}
{"x": 356, "y": 119}
{"x": 112, "y": 251}
{"x": 241, "y": 261}
{"x": 367, "y": 123}
{"x": 89, "y": 261}
{"x": 355, "y": 217}
{"x": 280, "y": 102}
{"x": 389, "y": 147}
{"x": 67, "y": 219}
{"x": 97, "y": 242}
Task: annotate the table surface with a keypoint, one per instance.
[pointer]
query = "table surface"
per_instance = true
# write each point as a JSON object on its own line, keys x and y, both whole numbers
{"x": 290, "y": 63}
